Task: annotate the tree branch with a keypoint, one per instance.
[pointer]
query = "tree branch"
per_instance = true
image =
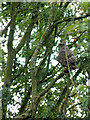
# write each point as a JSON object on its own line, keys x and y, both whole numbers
{"x": 69, "y": 19}
{"x": 48, "y": 61}
{"x": 82, "y": 65}
{"x": 74, "y": 106}
{"x": 41, "y": 63}
{"x": 62, "y": 29}
{"x": 51, "y": 76}
{"x": 50, "y": 85}
{"x": 62, "y": 95}
{"x": 29, "y": 29}
{"x": 49, "y": 73}
{"x": 22, "y": 69}
{"x": 70, "y": 46}
{"x": 14, "y": 16}
{"x": 25, "y": 100}
{"x": 48, "y": 31}
{"x": 66, "y": 4}
{"x": 11, "y": 55}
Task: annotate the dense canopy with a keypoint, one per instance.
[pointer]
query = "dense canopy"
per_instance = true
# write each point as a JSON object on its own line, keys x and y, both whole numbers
{"x": 34, "y": 84}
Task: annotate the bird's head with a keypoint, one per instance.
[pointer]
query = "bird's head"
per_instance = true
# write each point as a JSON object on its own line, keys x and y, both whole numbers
{"x": 61, "y": 45}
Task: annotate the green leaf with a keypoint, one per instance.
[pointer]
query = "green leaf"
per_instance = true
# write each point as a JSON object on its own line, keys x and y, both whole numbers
{"x": 69, "y": 28}
{"x": 81, "y": 87}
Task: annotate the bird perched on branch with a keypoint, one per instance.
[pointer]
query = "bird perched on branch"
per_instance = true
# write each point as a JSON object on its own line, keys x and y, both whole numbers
{"x": 66, "y": 56}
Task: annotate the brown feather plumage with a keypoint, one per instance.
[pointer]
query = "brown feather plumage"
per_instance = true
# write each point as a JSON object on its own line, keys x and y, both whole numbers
{"x": 62, "y": 57}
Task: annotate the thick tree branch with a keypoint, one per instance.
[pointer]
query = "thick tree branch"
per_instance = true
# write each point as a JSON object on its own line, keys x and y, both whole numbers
{"x": 11, "y": 55}
{"x": 66, "y": 4}
{"x": 61, "y": 3}
{"x": 23, "y": 40}
{"x": 64, "y": 103}
{"x": 9, "y": 64}
{"x": 22, "y": 116}
{"x": 25, "y": 100}
{"x": 47, "y": 32}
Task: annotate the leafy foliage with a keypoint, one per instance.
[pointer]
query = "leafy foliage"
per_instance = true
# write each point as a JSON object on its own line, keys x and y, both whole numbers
{"x": 36, "y": 81}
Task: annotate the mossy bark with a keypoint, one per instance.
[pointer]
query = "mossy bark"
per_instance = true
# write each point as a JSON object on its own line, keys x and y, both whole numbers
{"x": 9, "y": 64}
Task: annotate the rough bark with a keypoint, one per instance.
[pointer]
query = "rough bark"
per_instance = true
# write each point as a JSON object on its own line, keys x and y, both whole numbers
{"x": 34, "y": 58}
{"x": 9, "y": 64}
{"x": 10, "y": 49}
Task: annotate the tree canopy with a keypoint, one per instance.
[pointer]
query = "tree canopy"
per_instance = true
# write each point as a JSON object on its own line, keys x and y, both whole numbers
{"x": 35, "y": 85}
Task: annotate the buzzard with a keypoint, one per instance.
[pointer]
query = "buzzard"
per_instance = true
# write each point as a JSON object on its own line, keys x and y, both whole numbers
{"x": 70, "y": 55}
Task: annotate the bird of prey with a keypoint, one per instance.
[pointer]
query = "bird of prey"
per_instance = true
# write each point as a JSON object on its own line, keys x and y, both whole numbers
{"x": 70, "y": 55}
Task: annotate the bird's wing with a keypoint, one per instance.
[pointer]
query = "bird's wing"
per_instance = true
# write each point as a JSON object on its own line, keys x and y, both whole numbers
{"x": 72, "y": 59}
{"x": 69, "y": 52}
{"x": 62, "y": 57}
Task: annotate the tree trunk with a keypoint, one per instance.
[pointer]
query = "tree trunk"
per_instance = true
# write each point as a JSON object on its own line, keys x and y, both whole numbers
{"x": 0, "y": 105}
{"x": 9, "y": 64}
{"x": 34, "y": 86}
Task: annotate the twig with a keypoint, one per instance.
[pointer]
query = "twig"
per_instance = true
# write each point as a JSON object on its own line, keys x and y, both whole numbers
{"x": 49, "y": 73}
{"x": 77, "y": 39}
{"x": 62, "y": 28}
{"x": 69, "y": 19}
{"x": 50, "y": 85}
{"x": 60, "y": 100}
{"x": 74, "y": 105}
{"x": 45, "y": 80}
